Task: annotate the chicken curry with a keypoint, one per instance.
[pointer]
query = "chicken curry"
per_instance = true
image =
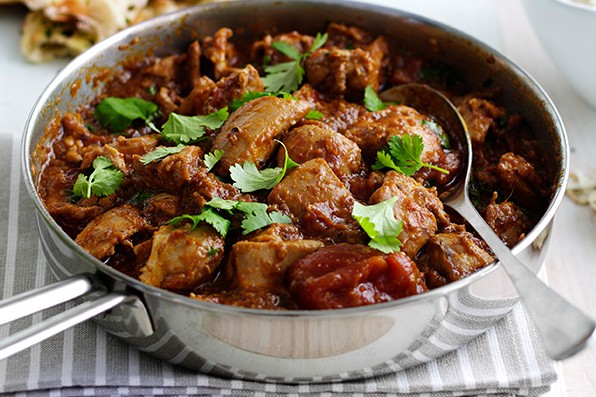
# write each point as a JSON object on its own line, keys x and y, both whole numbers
{"x": 269, "y": 174}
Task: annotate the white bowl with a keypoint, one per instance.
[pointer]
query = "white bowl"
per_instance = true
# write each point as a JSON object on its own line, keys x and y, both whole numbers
{"x": 567, "y": 30}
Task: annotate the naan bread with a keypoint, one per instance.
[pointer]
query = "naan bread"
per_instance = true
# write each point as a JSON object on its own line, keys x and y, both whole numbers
{"x": 65, "y": 28}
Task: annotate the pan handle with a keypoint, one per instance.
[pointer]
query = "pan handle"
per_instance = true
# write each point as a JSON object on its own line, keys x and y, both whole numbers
{"x": 33, "y": 301}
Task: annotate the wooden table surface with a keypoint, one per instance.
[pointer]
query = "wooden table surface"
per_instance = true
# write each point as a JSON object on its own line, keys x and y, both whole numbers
{"x": 570, "y": 265}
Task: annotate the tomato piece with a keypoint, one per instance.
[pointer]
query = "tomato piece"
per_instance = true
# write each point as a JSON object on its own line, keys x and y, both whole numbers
{"x": 348, "y": 275}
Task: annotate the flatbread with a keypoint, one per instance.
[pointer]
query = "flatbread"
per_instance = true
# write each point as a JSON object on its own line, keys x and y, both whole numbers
{"x": 65, "y": 28}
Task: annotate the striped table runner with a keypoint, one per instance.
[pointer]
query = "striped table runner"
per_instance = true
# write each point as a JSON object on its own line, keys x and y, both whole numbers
{"x": 84, "y": 361}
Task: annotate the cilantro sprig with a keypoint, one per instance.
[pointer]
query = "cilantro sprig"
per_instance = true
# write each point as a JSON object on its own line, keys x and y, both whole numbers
{"x": 103, "y": 181}
{"x": 372, "y": 102}
{"x": 188, "y": 129}
{"x": 208, "y": 215}
{"x": 117, "y": 114}
{"x": 380, "y": 224}
{"x": 402, "y": 154}
{"x": 288, "y": 76}
{"x": 212, "y": 158}
{"x": 248, "y": 178}
{"x": 160, "y": 153}
{"x": 255, "y": 216}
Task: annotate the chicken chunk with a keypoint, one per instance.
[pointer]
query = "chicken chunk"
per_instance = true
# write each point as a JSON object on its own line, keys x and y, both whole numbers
{"x": 317, "y": 141}
{"x": 182, "y": 258}
{"x": 136, "y": 145}
{"x": 249, "y": 133}
{"x": 517, "y": 176}
{"x": 161, "y": 207}
{"x": 172, "y": 172}
{"x": 480, "y": 115}
{"x": 319, "y": 202}
{"x": 101, "y": 236}
{"x": 263, "y": 48}
{"x": 423, "y": 196}
{"x": 507, "y": 220}
{"x": 338, "y": 114}
{"x": 372, "y": 131}
{"x": 255, "y": 264}
{"x": 419, "y": 224}
{"x": 219, "y": 50}
{"x": 452, "y": 256}
{"x": 233, "y": 87}
{"x": 108, "y": 152}
{"x": 346, "y": 72}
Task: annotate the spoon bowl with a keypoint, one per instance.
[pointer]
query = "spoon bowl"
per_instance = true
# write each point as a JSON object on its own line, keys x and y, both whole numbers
{"x": 564, "y": 329}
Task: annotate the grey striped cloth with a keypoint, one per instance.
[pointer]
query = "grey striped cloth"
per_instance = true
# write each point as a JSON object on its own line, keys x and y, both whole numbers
{"x": 504, "y": 360}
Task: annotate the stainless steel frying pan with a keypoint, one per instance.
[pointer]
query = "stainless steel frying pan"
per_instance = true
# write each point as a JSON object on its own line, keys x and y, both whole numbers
{"x": 290, "y": 346}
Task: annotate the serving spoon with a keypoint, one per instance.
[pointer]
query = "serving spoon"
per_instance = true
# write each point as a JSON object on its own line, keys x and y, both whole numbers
{"x": 564, "y": 328}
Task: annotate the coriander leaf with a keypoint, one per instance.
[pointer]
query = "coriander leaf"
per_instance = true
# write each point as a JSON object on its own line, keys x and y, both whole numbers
{"x": 288, "y": 76}
{"x": 140, "y": 197}
{"x": 436, "y": 128}
{"x": 287, "y": 49}
{"x": 384, "y": 160}
{"x": 313, "y": 115}
{"x": 222, "y": 204}
{"x": 117, "y": 114}
{"x": 278, "y": 217}
{"x": 248, "y": 178}
{"x": 103, "y": 181}
{"x": 319, "y": 42}
{"x": 402, "y": 154}
{"x": 372, "y": 102}
{"x": 257, "y": 220}
{"x": 193, "y": 218}
{"x": 208, "y": 215}
{"x": 81, "y": 188}
{"x": 212, "y": 158}
{"x": 160, "y": 153}
{"x": 187, "y": 129}
{"x": 257, "y": 216}
{"x": 219, "y": 223}
{"x": 249, "y": 96}
{"x": 379, "y": 223}
{"x": 386, "y": 244}
{"x": 406, "y": 151}
{"x": 285, "y": 76}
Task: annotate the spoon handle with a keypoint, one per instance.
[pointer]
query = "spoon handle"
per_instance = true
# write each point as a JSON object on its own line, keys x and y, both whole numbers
{"x": 563, "y": 327}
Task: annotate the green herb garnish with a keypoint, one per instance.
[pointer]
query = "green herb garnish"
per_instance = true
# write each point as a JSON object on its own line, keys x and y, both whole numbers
{"x": 212, "y": 158}
{"x": 103, "y": 181}
{"x": 161, "y": 153}
{"x": 208, "y": 215}
{"x": 140, "y": 197}
{"x": 436, "y": 128}
{"x": 372, "y": 102}
{"x": 255, "y": 215}
{"x": 188, "y": 129}
{"x": 313, "y": 115}
{"x": 288, "y": 76}
{"x": 380, "y": 224}
{"x": 402, "y": 154}
{"x": 117, "y": 114}
{"x": 248, "y": 178}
